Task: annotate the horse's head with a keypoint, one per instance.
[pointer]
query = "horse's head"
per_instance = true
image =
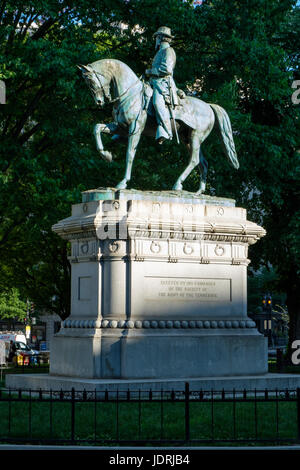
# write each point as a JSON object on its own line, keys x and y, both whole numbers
{"x": 97, "y": 83}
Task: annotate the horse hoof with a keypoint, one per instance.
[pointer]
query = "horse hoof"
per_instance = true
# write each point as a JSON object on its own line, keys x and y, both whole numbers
{"x": 106, "y": 155}
{"x": 122, "y": 185}
{"x": 177, "y": 187}
{"x": 201, "y": 189}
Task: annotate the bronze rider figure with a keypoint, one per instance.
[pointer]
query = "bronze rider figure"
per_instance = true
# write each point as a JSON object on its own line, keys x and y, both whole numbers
{"x": 165, "y": 93}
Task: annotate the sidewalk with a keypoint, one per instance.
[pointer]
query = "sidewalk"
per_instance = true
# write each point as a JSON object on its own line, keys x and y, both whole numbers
{"x": 173, "y": 450}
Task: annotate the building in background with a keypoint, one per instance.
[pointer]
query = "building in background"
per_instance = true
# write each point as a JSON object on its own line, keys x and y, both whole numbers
{"x": 46, "y": 327}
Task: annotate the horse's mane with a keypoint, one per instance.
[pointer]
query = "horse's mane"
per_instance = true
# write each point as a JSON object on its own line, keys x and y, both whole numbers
{"x": 104, "y": 66}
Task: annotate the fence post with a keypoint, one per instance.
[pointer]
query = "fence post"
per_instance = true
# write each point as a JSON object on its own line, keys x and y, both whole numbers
{"x": 298, "y": 414}
{"x": 187, "y": 412}
{"x": 279, "y": 360}
{"x": 73, "y": 415}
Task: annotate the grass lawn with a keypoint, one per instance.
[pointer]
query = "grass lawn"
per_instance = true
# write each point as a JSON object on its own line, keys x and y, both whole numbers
{"x": 147, "y": 421}
{"x": 150, "y": 421}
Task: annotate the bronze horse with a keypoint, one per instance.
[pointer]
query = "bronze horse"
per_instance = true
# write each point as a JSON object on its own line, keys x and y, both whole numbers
{"x": 112, "y": 81}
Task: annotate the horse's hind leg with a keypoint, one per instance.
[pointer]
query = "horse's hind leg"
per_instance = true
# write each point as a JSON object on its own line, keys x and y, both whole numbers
{"x": 203, "y": 167}
{"x": 194, "y": 146}
{"x": 110, "y": 128}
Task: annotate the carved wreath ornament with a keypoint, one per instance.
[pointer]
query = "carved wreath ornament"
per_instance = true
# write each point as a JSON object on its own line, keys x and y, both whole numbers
{"x": 219, "y": 250}
{"x": 113, "y": 247}
{"x": 155, "y": 247}
{"x": 188, "y": 249}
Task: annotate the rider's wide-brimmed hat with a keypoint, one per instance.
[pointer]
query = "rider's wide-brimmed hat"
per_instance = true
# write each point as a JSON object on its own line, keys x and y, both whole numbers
{"x": 164, "y": 31}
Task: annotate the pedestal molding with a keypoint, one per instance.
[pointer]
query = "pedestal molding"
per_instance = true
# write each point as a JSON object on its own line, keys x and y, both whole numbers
{"x": 130, "y": 324}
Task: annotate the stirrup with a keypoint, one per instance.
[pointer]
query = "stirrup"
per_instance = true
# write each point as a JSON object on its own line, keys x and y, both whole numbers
{"x": 160, "y": 140}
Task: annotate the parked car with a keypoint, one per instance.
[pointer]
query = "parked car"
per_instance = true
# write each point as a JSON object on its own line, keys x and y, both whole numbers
{"x": 25, "y": 355}
{"x": 24, "y": 348}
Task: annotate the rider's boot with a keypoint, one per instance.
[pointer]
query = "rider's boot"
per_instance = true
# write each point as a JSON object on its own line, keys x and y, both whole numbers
{"x": 162, "y": 135}
{"x": 164, "y": 130}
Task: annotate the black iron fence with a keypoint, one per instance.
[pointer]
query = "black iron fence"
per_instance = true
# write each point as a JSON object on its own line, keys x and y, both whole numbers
{"x": 150, "y": 417}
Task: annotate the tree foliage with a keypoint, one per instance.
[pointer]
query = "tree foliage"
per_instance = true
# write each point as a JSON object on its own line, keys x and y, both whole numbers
{"x": 242, "y": 55}
{"x": 11, "y": 306}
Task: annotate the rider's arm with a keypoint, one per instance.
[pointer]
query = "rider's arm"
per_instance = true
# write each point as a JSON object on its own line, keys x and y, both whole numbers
{"x": 165, "y": 66}
{"x": 168, "y": 62}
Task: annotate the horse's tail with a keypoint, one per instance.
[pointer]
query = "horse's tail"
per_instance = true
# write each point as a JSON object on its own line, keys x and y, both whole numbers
{"x": 225, "y": 130}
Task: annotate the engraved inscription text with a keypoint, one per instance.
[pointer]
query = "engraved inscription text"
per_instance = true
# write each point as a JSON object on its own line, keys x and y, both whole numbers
{"x": 188, "y": 289}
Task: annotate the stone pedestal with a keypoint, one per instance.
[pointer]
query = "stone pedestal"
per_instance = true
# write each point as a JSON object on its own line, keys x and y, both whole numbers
{"x": 159, "y": 288}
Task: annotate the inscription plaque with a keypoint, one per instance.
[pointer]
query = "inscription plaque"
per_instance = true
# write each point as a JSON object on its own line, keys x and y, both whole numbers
{"x": 187, "y": 289}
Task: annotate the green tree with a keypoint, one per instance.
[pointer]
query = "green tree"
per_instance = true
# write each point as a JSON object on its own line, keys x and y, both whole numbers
{"x": 239, "y": 54}
{"x": 47, "y": 152}
{"x": 250, "y": 47}
{"x": 11, "y": 306}
{"x": 262, "y": 283}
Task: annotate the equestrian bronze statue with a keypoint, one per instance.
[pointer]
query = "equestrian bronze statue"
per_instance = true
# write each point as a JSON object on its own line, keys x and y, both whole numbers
{"x": 155, "y": 109}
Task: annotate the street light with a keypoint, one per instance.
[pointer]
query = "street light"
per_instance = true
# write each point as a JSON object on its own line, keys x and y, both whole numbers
{"x": 267, "y": 303}
{"x": 267, "y": 307}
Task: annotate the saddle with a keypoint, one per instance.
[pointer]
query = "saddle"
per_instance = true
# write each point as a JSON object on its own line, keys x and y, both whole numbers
{"x": 147, "y": 99}
{"x": 182, "y": 112}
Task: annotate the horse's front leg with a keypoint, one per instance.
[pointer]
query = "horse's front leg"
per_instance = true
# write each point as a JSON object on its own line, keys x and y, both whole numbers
{"x": 133, "y": 140}
{"x": 110, "y": 128}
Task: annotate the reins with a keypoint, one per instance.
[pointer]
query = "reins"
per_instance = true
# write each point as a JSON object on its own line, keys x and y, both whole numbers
{"x": 118, "y": 97}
